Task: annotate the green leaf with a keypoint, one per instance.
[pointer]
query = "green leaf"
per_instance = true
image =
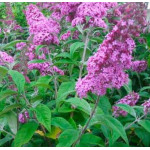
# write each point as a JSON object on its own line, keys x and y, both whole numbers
{"x": 128, "y": 87}
{"x": 43, "y": 114}
{"x": 143, "y": 135}
{"x": 3, "y": 122}
{"x": 75, "y": 46}
{"x": 12, "y": 121}
{"x": 80, "y": 28}
{"x": 148, "y": 61}
{"x": 147, "y": 78}
{"x": 55, "y": 132}
{"x": 64, "y": 55}
{"x": 9, "y": 108}
{"x": 144, "y": 94}
{"x": 5, "y": 94}
{"x": 81, "y": 104}
{"x": 67, "y": 138}
{"x": 36, "y": 61}
{"x": 138, "y": 109}
{"x": 105, "y": 131}
{"x": 104, "y": 104}
{"x": 90, "y": 140}
{"x": 147, "y": 36}
{"x": 38, "y": 48}
{"x": 145, "y": 88}
{"x": 112, "y": 123}
{"x": 127, "y": 108}
{"x": 99, "y": 40}
{"x": 2, "y": 105}
{"x": 113, "y": 137}
{"x": 145, "y": 124}
{"x": 65, "y": 108}
{"x": 5, "y": 139}
{"x": 13, "y": 43}
{"x": 64, "y": 61}
{"x": 72, "y": 122}
{"x": 41, "y": 87}
{"x": 43, "y": 83}
{"x": 64, "y": 90}
{"x": 3, "y": 72}
{"x": 61, "y": 123}
{"x": 119, "y": 144}
{"x": 70, "y": 41}
{"x": 98, "y": 109}
{"x": 87, "y": 18}
{"x": 25, "y": 134}
{"x": 19, "y": 79}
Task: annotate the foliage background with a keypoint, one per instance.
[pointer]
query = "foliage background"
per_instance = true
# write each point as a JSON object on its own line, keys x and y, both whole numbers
{"x": 58, "y": 121}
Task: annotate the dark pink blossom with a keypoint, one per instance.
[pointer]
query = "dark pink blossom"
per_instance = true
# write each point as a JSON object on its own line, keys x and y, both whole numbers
{"x": 5, "y": 58}
{"x": 44, "y": 30}
{"x": 146, "y": 105}
{"x": 130, "y": 100}
{"x": 139, "y": 66}
{"x": 45, "y": 68}
{"x": 65, "y": 36}
{"x": 23, "y": 117}
{"x": 20, "y": 45}
{"x": 106, "y": 69}
{"x": 59, "y": 71}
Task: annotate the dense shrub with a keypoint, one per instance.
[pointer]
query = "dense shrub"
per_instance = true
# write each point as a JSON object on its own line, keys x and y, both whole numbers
{"x": 74, "y": 74}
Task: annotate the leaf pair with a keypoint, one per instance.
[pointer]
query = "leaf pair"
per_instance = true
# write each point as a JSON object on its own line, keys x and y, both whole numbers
{"x": 27, "y": 130}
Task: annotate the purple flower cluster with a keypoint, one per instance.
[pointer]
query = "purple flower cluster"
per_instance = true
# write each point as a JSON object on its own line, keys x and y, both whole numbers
{"x": 65, "y": 10}
{"x": 106, "y": 68}
{"x": 23, "y": 117}
{"x": 44, "y": 5}
{"x": 31, "y": 52}
{"x": 130, "y": 100}
{"x": 76, "y": 12}
{"x": 139, "y": 66}
{"x": 146, "y": 106}
{"x": 75, "y": 34}
{"x": 20, "y": 45}
{"x": 44, "y": 30}
{"x": 5, "y": 58}
{"x": 18, "y": 27}
{"x": 96, "y": 11}
{"x": 9, "y": 21}
{"x": 59, "y": 71}
{"x": 65, "y": 36}
{"x": 45, "y": 68}
{"x": 114, "y": 15}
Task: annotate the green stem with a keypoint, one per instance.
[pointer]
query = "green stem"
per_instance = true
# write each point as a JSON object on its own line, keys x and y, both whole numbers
{"x": 55, "y": 85}
{"x": 84, "y": 53}
{"x": 139, "y": 79}
{"x": 8, "y": 133}
{"x": 55, "y": 81}
{"x": 138, "y": 119}
{"x": 87, "y": 124}
{"x": 83, "y": 56}
{"x": 27, "y": 101}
